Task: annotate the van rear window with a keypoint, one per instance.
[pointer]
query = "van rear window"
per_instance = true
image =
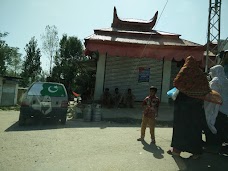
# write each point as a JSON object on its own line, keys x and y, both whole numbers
{"x": 47, "y": 89}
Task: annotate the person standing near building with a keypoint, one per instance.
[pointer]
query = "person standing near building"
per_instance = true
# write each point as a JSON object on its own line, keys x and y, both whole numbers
{"x": 217, "y": 114}
{"x": 193, "y": 89}
{"x": 187, "y": 126}
{"x": 150, "y": 105}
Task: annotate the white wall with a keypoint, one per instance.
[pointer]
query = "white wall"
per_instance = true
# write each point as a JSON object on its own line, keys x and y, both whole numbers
{"x": 8, "y": 92}
{"x": 99, "y": 77}
{"x": 166, "y": 80}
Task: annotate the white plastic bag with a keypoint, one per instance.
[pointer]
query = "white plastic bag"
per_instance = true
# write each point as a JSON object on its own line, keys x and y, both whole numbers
{"x": 173, "y": 93}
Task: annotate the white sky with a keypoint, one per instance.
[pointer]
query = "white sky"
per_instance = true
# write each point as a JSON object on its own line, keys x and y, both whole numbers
{"x": 24, "y": 19}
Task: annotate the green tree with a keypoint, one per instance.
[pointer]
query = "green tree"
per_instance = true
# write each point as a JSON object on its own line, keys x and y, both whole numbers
{"x": 43, "y": 76}
{"x": 67, "y": 66}
{"x": 15, "y": 63}
{"x": 50, "y": 42}
{"x": 31, "y": 67}
{"x": 5, "y": 52}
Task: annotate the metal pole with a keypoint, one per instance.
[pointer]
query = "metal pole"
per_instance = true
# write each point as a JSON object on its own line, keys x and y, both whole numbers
{"x": 208, "y": 38}
{"x": 213, "y": 32}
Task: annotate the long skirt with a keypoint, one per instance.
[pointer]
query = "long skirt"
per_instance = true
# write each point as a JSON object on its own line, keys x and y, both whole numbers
{"x": 187, "y": 124}
{"x": 221, "y": 125}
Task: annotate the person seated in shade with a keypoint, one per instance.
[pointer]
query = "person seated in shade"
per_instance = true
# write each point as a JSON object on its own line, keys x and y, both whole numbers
{"x": 116, "y": 98}
{"x": 106, "y": 98}
{"x": 129, "y": 99}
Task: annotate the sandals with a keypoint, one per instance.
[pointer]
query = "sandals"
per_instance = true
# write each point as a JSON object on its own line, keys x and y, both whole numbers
{"x": 175, "y": 152}
{"x": 171, "y": 152}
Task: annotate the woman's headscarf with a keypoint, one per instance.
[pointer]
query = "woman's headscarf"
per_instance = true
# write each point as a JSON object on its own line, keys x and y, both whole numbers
{"x": 192, "y": 81}
{"x": 218, "y": 75}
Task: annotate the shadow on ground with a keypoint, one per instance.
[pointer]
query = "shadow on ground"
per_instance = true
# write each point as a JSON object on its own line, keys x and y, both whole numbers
{"x": 207, "y": 161}
{"x": 157, "y": 151}
{"x": 32, "y": 125}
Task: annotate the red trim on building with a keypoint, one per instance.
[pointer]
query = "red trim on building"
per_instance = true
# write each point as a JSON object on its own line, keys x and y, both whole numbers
{"x": 148, "y": 51}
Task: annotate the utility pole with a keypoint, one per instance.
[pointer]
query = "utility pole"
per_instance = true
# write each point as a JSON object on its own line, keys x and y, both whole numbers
{"x": 213, "y": 32}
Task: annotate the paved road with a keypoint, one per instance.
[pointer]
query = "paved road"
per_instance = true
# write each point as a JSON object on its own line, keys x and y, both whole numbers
{"x": 90, "y": 146}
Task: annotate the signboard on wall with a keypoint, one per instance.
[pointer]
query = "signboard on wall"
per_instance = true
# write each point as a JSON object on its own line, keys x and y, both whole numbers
{"x": 144, "y": 74}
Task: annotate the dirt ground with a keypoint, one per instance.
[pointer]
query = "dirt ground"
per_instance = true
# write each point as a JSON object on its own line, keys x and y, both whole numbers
{"x": 90, "y": 146}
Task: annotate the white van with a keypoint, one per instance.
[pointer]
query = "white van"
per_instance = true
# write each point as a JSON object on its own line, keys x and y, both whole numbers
{"x": 42, "y": 100}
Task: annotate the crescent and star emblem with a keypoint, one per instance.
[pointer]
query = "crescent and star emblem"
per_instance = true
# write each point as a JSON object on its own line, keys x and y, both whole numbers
{"x": 53, "y": 89}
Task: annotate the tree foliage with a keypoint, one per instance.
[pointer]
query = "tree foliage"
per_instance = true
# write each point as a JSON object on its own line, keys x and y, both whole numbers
{"x": 50, "y": 42}
{"x": 67, "y": 67}
{"x": 31, "y": 67}
{"x": 15, "y": 63}
{"x": 10, "y": 58}
{"x": 5, "y": 52}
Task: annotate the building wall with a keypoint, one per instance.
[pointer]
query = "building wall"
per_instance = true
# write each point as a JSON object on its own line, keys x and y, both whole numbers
{"x": 16, "y": 94}
{"x": 124, "y": 73}
{"x": 8, "y": 92}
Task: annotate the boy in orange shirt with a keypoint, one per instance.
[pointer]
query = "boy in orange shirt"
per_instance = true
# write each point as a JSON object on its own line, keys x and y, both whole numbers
{"x": 150, "y": 105}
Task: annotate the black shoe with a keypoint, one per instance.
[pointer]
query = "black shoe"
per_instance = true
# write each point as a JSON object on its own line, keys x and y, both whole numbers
{"x": 140, "y": 139}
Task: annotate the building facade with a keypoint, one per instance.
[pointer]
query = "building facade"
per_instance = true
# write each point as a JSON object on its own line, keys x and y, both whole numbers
{"x": 8, "y": 90}
{"x": 134, "y": 55}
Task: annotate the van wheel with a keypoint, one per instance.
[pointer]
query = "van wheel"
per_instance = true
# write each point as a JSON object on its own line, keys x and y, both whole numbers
{"x": 21, "y": 120}
{"x": 63, "y": 119}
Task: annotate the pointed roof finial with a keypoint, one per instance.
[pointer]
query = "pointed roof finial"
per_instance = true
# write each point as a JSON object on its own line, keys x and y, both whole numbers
{"x": 115, "y": 16}
{"x": 133, "y": 25}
